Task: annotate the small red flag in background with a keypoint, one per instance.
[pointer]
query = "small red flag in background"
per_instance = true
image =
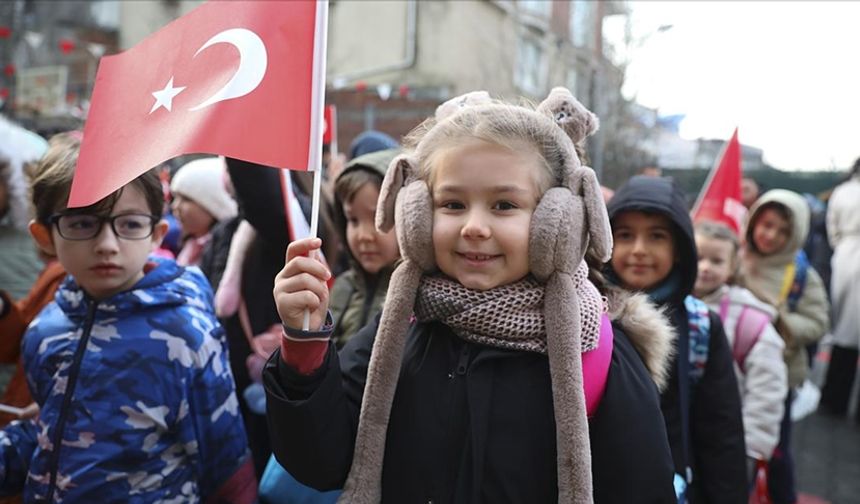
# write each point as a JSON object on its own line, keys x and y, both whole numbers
{"x": 720, "y": 198}
{"x": 66, "y": 46}
{"x": 330, "y": 121}
{"x": 239, "y": 79}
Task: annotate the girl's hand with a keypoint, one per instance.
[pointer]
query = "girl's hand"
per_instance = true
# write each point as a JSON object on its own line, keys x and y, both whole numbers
{"x": 302, "y": 285}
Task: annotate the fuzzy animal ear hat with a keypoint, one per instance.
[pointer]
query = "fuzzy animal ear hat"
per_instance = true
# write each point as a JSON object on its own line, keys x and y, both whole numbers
{"x": 570, "y": 219}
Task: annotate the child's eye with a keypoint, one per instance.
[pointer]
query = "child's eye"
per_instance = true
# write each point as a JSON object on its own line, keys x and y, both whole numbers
{"x": 352, "y": 221}
{"x": 622, "y": 235}
{"x": 504, "y": 205}
{"x": 81, "y": 222}
{"x": 452, "y": 205}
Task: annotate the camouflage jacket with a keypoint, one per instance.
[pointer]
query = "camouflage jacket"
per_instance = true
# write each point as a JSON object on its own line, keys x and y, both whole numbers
{"x": 137, "y": 398}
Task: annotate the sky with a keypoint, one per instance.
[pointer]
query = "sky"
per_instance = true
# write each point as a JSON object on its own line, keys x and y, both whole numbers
{"x": 787, "y": 74}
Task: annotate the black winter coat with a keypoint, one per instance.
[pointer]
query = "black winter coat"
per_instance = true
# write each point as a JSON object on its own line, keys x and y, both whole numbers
{"x": 469, "y": 423}
{"x": 714, "y": 448}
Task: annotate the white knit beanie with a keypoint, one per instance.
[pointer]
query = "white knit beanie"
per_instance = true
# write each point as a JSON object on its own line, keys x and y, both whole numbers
{"x": 202, "y": 180}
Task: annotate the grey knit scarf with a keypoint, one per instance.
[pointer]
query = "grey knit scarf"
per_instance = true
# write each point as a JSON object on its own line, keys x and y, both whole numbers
{"x": 509, "y": 316}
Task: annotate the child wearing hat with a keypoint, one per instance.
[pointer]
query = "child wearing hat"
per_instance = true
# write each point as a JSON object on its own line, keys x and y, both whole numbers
{"x": 200, "y": 200}
{"x": 478, "y": 382}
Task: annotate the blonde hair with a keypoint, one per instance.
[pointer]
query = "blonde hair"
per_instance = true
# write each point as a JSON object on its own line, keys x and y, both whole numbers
{"x": 501, "y": 125}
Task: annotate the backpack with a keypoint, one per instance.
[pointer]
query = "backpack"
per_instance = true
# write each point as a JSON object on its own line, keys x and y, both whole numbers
{"x": 794, "y": 280}
{"x": 699, "y": 324}
{"x": 751, "y": 323}
{"x": 699, "y": 329}
{"x": 595, "y": 367}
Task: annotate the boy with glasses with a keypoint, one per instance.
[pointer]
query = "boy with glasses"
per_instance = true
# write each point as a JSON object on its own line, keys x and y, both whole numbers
{"x": 128, "y": 365}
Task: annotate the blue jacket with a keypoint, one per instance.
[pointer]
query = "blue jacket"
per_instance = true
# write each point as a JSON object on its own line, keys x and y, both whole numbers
{"x": 138, "y": 388}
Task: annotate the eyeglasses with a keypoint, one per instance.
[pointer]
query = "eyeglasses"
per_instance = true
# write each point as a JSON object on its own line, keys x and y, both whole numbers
{"x": 88, "y": 226}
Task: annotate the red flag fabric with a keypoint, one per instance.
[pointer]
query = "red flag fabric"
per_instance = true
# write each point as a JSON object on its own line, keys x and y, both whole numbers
{"x": 241, "y": 79}
{"x": 330, "y": 131}
{"x": 720, "y": 198}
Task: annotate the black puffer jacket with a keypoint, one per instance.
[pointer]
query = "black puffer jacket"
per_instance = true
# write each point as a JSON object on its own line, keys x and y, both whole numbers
{"x": 469, "y": 423}
{"x": 715, "y": 448}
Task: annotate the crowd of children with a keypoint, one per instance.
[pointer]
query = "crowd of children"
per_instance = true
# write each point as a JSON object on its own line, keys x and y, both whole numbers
{"x": 495, "y": 331}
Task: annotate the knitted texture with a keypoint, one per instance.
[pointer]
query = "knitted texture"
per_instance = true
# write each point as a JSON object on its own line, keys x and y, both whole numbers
{"x": 509, "y": 316}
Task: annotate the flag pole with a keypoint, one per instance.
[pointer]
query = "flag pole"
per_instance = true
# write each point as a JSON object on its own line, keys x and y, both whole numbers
{"x": 314, "y": 161}
{"x": 711, "y": 174}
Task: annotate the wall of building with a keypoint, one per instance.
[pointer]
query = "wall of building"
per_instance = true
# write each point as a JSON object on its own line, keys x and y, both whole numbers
{"x": 141, "y": 18}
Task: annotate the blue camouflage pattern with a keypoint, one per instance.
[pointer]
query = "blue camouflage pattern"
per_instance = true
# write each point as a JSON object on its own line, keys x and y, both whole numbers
{"x": 154, "y": 415}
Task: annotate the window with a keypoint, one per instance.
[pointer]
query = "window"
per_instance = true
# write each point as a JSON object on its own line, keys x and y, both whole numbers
{"x": 582, "y": 14}
{"x": 530, "y": 71}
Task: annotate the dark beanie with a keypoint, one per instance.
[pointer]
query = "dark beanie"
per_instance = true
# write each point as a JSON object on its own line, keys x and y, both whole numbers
{"x": 370, "y": 141}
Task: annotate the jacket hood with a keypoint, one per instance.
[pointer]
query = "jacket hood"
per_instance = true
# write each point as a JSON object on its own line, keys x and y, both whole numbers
{"x": 662, "y": 196}
{"x": 167, "y": 284}
{"x": 798, "y": 211}
{"x": 376, "y": 162}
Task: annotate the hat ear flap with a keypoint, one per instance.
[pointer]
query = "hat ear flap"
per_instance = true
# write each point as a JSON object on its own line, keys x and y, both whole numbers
{"x": 583, "y": 182}
{"x": 399, "y": 171}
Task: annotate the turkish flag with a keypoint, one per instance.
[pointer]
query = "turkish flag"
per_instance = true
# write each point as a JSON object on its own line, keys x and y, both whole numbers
{"x": 720, "y": 198}
{"x": 242, "y": 79}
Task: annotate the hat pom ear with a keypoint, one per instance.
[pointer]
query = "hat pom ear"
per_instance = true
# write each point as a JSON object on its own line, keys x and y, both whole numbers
{"x": 453, "y": 105}
{"x": 399, "y": 172}
{"x": 569, "y": 114}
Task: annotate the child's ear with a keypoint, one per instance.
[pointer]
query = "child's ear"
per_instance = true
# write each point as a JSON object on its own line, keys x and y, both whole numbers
{"x": 158, "y": 231}
{"x": 42, "y": 236}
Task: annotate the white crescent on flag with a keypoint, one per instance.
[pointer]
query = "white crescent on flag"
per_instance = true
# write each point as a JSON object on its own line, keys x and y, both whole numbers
{"x": 253, "y": 61}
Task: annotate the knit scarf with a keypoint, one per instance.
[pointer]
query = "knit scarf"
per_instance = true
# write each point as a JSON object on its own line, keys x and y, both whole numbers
{"x": 509, "y": 316}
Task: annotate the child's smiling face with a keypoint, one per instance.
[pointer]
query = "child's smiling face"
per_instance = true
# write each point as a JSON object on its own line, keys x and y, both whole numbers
{"x": 643, "y": 252}
{"x": 483, "y": 200}
{"x": 771, "y": 231}
{"x": 716, "y": 264}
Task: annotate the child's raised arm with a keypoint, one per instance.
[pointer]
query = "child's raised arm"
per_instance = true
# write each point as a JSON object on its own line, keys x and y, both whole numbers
{"x": 302, "y": 285}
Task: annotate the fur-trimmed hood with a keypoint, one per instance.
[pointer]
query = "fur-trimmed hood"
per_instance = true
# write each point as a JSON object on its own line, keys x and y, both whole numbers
{"x": 647, "y": 327}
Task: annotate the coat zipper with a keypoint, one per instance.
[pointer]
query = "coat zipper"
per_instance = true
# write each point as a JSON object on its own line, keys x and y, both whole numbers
{"x": 67, "y": 399}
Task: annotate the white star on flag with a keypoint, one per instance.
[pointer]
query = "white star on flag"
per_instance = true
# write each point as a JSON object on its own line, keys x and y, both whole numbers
{"x": 164, "y": 98}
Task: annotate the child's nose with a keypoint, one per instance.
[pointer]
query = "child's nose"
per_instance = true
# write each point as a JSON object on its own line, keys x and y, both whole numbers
{"x": 106, "y": 240}
{"x": 475, "y": 226}
{"x": 639, "y": 246}
{"x": 366, "y": 231}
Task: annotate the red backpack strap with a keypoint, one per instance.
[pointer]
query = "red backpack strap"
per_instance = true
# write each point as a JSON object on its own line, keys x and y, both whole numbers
{"x": 751, "y": 323}
{"x": 595, "y": 367}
